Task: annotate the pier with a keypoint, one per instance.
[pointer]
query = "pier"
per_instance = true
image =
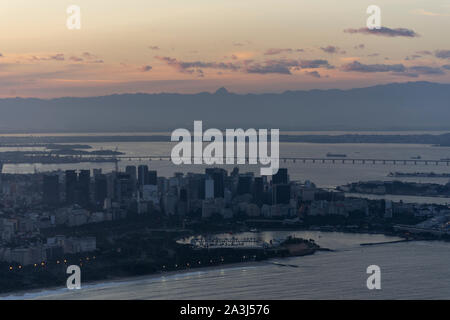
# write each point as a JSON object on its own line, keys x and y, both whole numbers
{"x": 226, "y": 242}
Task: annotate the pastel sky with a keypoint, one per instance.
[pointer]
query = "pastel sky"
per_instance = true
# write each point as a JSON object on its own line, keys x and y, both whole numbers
{"x": 191, "y": 46}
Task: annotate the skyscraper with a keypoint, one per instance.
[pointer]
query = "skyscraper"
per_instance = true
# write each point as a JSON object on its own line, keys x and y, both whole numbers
{"x": 209, "y": 188}
{"x": 218, "y": 176}
{"x": 123, "y": 186}
{"x": 244, "y": 185}
{"x": 131, "y": 170}
{"x": 281, "y": 194}
{"x": 100, "y": 189}
{"x": 143, "y": 175}
{"x": 281, "y": 177}
{"x": 51, "y": 190}
{"x": 83, "y": 190}
{"x": 153, "y": 177}
{"x": 71, "y": 186}
{"x": 258, "y": 190}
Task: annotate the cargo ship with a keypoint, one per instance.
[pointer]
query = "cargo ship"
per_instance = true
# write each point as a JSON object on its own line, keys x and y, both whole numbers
{"x": 336, "y": 155}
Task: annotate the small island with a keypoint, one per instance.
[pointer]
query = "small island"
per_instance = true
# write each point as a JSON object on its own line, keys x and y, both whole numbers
{"x": 397, "y": 188}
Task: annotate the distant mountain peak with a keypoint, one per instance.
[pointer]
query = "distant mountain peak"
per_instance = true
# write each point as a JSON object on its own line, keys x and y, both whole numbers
{"x": 222, "y": 91}
{"x": 396, "y": 106}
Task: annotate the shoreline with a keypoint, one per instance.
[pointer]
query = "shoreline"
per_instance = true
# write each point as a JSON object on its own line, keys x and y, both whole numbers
{"x": 21, "y": 295}
{"x": 114, "y": 281}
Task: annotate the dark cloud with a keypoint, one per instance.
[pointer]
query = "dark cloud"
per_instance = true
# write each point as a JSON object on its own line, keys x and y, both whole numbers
{"x": 424, "y": 52}
{"x": 145, "y": 68}
{"x": 396, "y": 69}
{"x": 314, "y": 74}
{"x": 274, "y": 51}
{"x": 386, "y": 32}
{"x": 406, "y": 74}
{"x": 446, "y": 66}
{"x": 314, "y": 64}
{"x": 196, "y": 66}
{"x": 270, "y": 66}
{"x": 55, "y": 57}
{"x": 86, "y": 57}
{"x": 273, "y": 66}
{"x": 170, "y": 61}
{"x": 285, "y": 66}
{"x": 331, "y": 49}
{"x": 426, "y": 70}
{"x": 442, "y": 54}
{"x": 213, "y": 65}
{"x": 413, "y": 57}
{"x": 356, "y": 66}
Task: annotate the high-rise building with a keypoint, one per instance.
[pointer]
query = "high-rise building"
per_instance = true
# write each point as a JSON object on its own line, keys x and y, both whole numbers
{"x": 120, "y": 188}
{"x": 281, "y": 177}
{"x": 51, "y": 190}
{"x": 209, "y": 188}
{"x": 281, "y": 194}
{"x": 150, "y": 193}
{"x": 196, "y": 187}
{"x": 131, "y": 170}
{"x": 100, "y": 189}
{"x": 84, "y": 183}
{"x": 183, "y": 195}
{"x": 153, "y": 177}
{"x": 124, "y": 186}
{"x": 143, "y": 175}
{"x": 258, "y": 190}
{"x": 71, "y": 186}
{"x": 218, "y": 175}
{"x": 244, "y": 185}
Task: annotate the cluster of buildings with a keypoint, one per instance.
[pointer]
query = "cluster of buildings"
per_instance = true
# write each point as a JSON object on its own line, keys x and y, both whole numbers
{"x": 54, "y": 249}
{"x": 80, "y": 198}
{"x": 32, "y": 202}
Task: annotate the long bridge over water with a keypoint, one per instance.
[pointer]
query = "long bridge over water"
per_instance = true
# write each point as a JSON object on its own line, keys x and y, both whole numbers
{"x": 328, "y": 160}
{"x": 290, "y": 159}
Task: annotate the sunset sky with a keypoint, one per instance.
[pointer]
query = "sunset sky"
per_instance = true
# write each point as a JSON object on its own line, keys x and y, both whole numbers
{"x": 190, "y": 46}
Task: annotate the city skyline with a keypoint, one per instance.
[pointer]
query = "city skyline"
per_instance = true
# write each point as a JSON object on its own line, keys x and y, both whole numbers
{"x": 226, "y": 154}
{"x": 158, "y": 46}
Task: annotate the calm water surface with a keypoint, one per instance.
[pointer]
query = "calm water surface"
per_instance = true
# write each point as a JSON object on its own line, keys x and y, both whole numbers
{"x": 324, "y": 175}
{"x": 409, "y": 270}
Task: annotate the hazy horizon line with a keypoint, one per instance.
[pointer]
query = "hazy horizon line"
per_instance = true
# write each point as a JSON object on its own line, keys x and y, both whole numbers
{"x": 228, "y": 91}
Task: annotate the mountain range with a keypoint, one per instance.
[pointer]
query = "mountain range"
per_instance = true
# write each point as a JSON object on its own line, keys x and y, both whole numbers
{"x": 395, "y": 106}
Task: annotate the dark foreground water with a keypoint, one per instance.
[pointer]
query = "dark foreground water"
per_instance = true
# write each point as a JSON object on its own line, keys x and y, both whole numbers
{"x": 409, "y": 270}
